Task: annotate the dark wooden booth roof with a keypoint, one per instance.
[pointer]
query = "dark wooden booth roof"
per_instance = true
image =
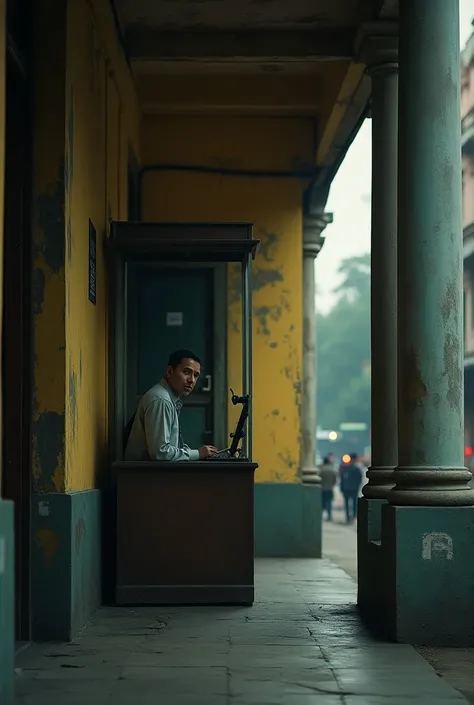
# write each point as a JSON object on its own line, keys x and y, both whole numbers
{"x": 193, "y": 242}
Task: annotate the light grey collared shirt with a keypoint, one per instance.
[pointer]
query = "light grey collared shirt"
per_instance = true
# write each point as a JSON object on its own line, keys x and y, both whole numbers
{"x": 155, "y": 433}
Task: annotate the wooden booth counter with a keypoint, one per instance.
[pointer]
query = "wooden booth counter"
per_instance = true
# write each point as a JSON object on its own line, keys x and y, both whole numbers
{"x": 185, "y": 532}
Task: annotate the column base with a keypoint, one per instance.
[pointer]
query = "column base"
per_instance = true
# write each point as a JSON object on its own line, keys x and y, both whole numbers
{"x": 288, "y": 521}
{"x": 426, "y": 558}
{"x": 7, "y": 602}
{"x": 369, "y": 559}
{"x": 382, "y": 479}
{"x": 66, "y": 563}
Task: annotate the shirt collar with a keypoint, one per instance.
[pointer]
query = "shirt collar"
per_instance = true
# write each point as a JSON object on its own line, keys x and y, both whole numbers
{"x": 174, "y": 398}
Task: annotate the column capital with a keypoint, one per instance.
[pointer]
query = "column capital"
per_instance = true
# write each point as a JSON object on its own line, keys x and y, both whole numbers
{"x": 377, "y": 47}
{"x": 313, "y": 226}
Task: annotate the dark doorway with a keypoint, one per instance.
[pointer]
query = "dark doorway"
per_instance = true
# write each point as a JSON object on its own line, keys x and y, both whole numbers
{"x": 16, "y": 336}
{"x": 170, "y": 308}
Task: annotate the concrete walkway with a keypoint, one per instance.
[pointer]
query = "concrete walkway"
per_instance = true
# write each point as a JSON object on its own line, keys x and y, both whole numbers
{"x": 300, "y": 644}
{"x": 456, "y": 665}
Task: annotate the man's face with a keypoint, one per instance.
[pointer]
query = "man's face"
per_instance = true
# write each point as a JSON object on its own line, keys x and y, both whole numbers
{"x": 182, "y": 378}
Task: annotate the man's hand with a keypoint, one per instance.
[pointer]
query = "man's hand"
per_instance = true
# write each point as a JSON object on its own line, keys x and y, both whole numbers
{"x": 206, "y": 452}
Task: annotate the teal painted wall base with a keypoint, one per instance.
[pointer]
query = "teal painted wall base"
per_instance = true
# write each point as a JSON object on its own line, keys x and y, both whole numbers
{"x": 370, "y": 573}
{"x": 429, "y": 568}
{"x": 7, "y": 602}
{"x": 66, "y": 563}
{"x": 287, "y": 520}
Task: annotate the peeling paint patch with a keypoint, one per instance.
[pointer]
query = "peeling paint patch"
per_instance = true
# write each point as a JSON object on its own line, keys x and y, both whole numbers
{"x": 51, "y": 223}
{"x": 453, "y": 373}
{"x": 275, "y": 412}
{"x": 268, "y": 243}
{"x": 263, "y": 313}
{"x": 48, "y": 452}
{"x": 265, "y": 277}
{"x": 273, "y": 345}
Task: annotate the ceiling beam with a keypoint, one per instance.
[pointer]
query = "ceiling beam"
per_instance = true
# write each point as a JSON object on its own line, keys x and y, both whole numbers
{"x": 145, "y": 44}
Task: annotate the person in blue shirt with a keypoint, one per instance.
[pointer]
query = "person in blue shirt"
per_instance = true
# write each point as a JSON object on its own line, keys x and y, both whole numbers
{"x": 350, "y": 483}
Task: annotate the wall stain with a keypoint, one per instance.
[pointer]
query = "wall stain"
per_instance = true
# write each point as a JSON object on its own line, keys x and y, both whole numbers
{"x": 453, "y": 373}
{"x": 50, "y": 244}
{"x": 287, "y": 458}
{"x": 79, "y": 532}
{"x": 275, "y": 412}
{"x": 48, "y": 432}
{"x": 451, "y": 302}
{"x": 48, "y": 542}
{"x": 273, "y": 345}
{"x": 265, "y": 277}
{"x": 268, "y": 244}
{"x": 263, "y": 313}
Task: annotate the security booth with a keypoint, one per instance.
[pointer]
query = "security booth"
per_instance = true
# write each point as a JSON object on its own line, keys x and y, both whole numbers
{"x": 184, "y": 530}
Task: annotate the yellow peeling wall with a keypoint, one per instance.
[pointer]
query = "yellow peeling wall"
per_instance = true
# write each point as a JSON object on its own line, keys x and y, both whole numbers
{"x": 102, "y": 119}
{"x": 275, "y": 206}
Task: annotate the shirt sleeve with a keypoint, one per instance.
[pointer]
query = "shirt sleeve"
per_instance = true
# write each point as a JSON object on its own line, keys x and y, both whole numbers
{"x": 158, "y": 420}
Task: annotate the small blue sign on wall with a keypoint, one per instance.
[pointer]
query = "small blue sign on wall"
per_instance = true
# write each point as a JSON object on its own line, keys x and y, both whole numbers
{"x": 92, "y": 263}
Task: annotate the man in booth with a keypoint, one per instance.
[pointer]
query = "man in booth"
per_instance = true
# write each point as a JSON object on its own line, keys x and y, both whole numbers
{"x": 155, "y": 432}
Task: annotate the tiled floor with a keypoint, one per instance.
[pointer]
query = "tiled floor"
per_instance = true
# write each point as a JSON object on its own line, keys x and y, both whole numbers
{"x": 301, "y": 644}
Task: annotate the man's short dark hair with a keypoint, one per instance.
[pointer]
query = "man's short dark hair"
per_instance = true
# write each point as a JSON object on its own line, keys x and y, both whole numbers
{"x": 178, "y": 356}
{"x": 354, "y": 456}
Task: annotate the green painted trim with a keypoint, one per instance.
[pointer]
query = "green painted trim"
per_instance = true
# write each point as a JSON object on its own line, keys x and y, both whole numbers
{"x": 7, "y": 602}
{"x": 65, "y": 563}
{"x": 288, "y": 520}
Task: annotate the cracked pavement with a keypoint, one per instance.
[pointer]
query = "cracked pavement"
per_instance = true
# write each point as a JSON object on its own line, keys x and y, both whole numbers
{"x": 301, "y": 643}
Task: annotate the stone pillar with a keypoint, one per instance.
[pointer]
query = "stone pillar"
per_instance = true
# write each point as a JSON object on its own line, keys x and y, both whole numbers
{"x": 428, "y": 527}
{"x": 313, "y": 241}
{"x": 383, "y": 70}
{"x": 313, "y": 226}
{"x": 379, "y": 50}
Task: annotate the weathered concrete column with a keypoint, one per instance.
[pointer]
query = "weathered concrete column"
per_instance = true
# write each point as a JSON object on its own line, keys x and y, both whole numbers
{"x": 382, "y": 67}
{"x": 313, "y": 226}
{"x": 428, "y": 527}
{"x": 430, "y": 258}
{"x": 379, "y": 49}
{"x": 313, "y": 241}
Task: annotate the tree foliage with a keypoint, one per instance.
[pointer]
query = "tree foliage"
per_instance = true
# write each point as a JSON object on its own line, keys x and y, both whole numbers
{"x": 343, "y": 349}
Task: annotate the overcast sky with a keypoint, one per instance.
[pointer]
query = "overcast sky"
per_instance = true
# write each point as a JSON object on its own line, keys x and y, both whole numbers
{"x": 349, "y": 199}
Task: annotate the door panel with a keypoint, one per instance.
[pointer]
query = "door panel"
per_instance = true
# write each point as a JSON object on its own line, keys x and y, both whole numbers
{"x": 172, "y": 309}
